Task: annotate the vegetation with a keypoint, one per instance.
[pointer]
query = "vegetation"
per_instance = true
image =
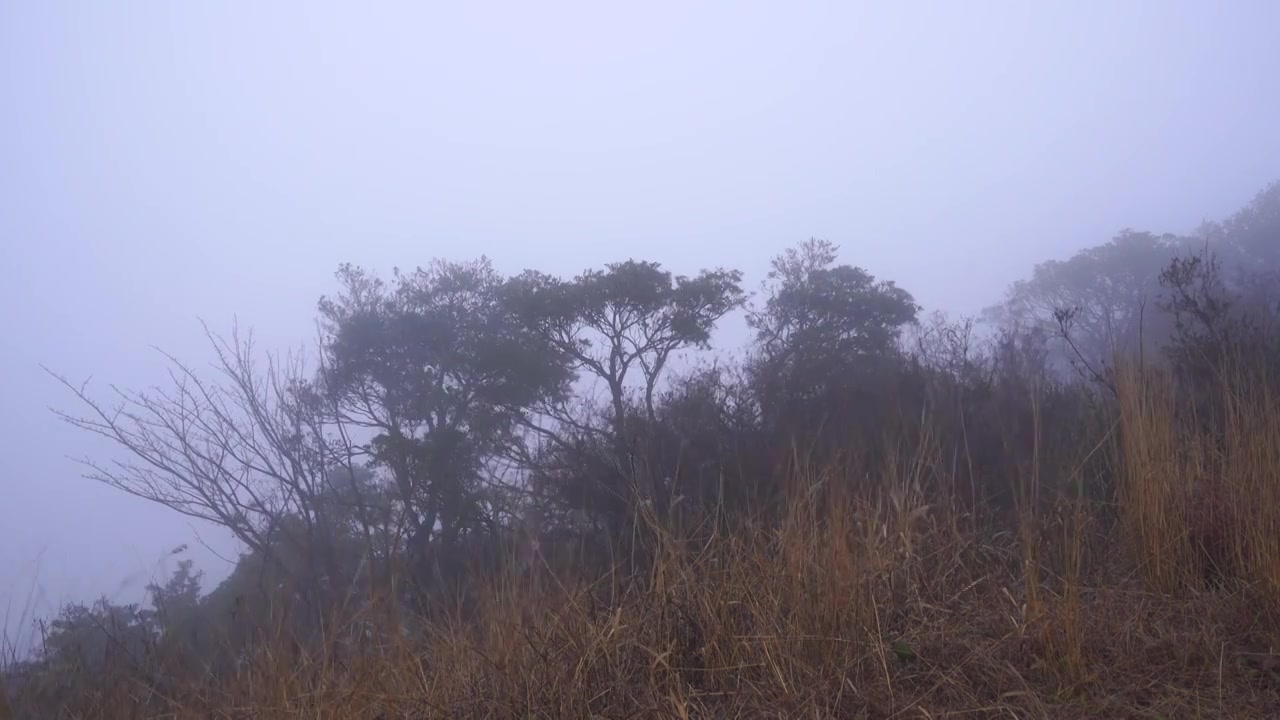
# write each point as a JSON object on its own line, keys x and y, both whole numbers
{"x": 511, "y": 497}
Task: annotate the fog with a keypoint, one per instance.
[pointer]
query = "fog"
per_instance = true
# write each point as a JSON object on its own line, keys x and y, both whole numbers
{"x": 163, "y": 163}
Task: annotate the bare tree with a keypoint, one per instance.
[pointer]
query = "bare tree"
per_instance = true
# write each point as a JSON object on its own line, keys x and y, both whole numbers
{"x": 252, "y": 448}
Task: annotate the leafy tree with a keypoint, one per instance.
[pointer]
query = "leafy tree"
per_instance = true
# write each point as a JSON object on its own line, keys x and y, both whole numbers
{"x": 1103, "y": 299}
{"x": 815, "y": 308}
{"x": 1110, "y": 299}
{"x": 442, "y": 372}
{"x": 1104, "y": 302}
{"x": 822, "y": 328}
{"x": 176, "y": 602}
{"x": 621, "y": 325}
{"x": 1221, "y": 329}
{"x": 97, "y": 636}
{"x": 1250, "y": 238}
{"x": 1246, "y": 247}
{"x": 707, "y": 440}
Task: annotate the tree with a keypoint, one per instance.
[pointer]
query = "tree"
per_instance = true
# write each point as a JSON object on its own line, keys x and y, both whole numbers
{"x": 98, "y": 636}
{"x": 442, "y": 372}
{"x": 1220, "y": 329}
{"x": 1247, "y": 249}
{"x": 611, "y": 324}
{"x": 707, "y": 440}
{"x": 816, "y": 307}
{"x": 821, "y": 324}
{"x": 249, "y": 450}
{"x": 1102, "y": 301}
{"x": 1109, "y": 299}
{"x": 1250, "y": 238}
{"x": 176, "y": 602}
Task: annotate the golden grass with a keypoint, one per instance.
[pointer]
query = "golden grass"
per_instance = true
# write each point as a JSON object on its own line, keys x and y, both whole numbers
{"x": 861, "y": 601}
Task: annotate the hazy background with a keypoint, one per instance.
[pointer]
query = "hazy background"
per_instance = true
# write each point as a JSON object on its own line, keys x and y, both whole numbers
{"x": 164, "y": 162}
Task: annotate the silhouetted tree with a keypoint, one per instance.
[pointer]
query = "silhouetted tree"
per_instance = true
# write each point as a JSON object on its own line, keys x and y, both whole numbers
{"x": 1108, "y": 295}
{"x": 615, "y": 323}
{"x": 249, "y": 450}
{"x": 442, "y": 372}
{"x": 93, "y": 637}
{"x": 825, "y": 338}
{"x": 1248, "y": 242}
{"x": 176, "y": 602}
{"x": 707, "y": 439}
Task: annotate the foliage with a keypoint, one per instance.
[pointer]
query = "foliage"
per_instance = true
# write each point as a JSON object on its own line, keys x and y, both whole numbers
{"x": 1104, "y": 299}
{"x": 868, "y": 516}
{"x": 819, "y": 311}
{"x": 91, "y": 636}
{"x": 442, "y": 372}
{"x": 630, "y": 317}
{"x": 825, "y": 345}
{"x": 1249, "y": 242}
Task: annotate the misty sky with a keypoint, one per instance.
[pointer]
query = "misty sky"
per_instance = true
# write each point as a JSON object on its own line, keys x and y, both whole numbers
{"x": 164, "y": 162}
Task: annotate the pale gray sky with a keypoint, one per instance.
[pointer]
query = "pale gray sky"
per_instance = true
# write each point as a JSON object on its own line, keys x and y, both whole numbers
{"x": 167, "y": 161}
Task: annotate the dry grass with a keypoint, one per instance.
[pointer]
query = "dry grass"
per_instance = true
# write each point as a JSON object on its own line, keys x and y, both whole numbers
{"x": 860, "y": 602}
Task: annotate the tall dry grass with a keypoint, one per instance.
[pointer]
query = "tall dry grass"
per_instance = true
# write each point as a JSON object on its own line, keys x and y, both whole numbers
{"x": 881, "y": 597}
{"x": 1161, "y": 471}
